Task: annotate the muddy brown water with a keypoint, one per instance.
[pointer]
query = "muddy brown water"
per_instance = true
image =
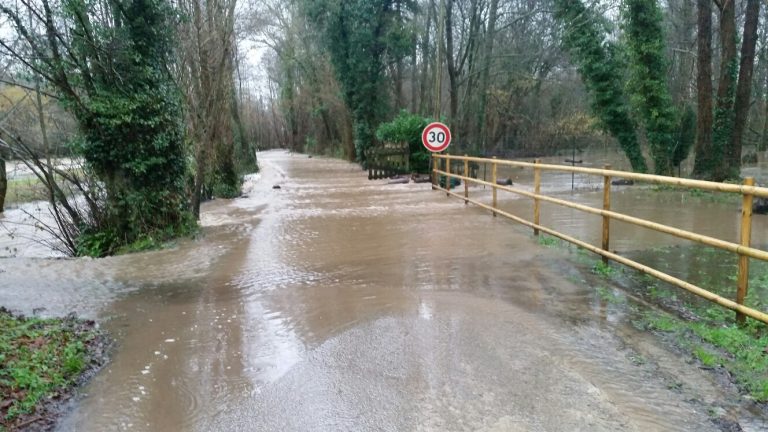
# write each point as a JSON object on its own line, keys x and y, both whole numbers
{"x": 336, "y": 303}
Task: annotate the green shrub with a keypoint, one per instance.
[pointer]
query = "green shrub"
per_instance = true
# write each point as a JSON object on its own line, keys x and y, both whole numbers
{"x": 407, "y": 127}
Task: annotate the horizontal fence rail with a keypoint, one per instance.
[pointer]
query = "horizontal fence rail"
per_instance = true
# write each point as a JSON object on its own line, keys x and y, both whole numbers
{"x": 743, "y": 249}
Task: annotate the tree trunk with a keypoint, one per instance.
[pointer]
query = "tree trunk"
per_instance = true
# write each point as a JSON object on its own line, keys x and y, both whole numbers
{"x": 414, "y": 73}
{"x": 467, "y": 108}
{"x": 764, "y": 139}
{"x": 423, "y": 97}
{"x": 3, "y": 184}
{"x": 762, "y": 145}
{"x": 724, "y": 116}
{"x": 744, "y": 88}
{"x": 705, "y": 157}
{"x": 485, "y": 74}
{"x": 450, "y": 56}
{"x": 197, "y": 194}
{"x": 246, "y": 152}
{"x": 647, "y": 62}
{"x": 399, "y": 101}
{"x": 683, "y": 59}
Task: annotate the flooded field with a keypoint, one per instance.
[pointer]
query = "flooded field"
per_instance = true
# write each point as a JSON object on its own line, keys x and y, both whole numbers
{"x": 338, "y": 303}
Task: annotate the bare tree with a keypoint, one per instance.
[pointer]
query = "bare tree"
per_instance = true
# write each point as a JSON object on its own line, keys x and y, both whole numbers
{"x": 205, "y": 71}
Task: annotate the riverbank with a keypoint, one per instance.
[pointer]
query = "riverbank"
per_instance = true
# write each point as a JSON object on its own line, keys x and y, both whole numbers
{"x": 43, "y": 362}
{"x": 24, "y": 190}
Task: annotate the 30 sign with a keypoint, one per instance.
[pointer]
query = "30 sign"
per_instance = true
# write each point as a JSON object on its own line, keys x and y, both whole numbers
{"x": 436, "y": 137}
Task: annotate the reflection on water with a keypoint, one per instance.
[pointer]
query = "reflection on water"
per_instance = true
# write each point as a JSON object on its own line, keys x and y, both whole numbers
{"x": 336, "y": 303}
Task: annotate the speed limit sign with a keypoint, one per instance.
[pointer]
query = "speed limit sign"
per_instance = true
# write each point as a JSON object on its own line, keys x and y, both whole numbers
{"x": 436, "y": 137}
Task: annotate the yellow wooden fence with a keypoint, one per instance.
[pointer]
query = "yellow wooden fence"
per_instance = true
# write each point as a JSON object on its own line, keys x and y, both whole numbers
{"x": 745, "y": 251}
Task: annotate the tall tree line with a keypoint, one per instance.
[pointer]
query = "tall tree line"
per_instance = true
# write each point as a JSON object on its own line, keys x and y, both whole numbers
{"x": 519, "y": 77}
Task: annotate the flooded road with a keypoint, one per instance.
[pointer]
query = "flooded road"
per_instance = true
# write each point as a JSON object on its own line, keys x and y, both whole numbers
{"x": 339, "y": 304}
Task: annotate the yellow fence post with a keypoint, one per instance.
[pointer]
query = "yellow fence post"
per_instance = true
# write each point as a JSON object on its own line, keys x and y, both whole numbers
{"x": 448, "y": 174}
{"x": 746, "y": 240}
{"x": 606, "y": 207}
{"x": 466, "y": 183}
{"x": 537, "y": 191}
{"x": 435, "y": 162}
{"x": 493, "y": 181}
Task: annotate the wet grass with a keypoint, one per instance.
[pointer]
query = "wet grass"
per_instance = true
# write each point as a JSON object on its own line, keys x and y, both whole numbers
{"x": 548, "y": 241}
{"x": 29, "y": 188}
{"x": 706, "y": 332}
{"x": 718, "y": 342}
{"x": 700, "y": 194}
{"x": 40, "y": 361}
{"x": 610, "y": 296}
{"x": 603, "y": 269}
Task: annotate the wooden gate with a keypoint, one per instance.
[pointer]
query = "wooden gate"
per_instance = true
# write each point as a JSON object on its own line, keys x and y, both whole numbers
{"x": 387, "y": 160}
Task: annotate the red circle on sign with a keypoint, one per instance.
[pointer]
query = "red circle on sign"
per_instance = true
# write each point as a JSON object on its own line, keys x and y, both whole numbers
{"x": 436, "y": 137}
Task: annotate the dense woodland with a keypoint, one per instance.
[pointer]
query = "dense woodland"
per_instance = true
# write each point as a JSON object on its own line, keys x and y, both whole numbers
{"x": 163, "y": 104}
{"x": 523, "y": 78}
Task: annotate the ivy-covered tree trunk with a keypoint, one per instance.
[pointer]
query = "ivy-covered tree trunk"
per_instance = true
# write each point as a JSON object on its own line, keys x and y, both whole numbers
{"x": 244, "y": 149}
{"x": 601, "y": 72}
{"x": 762, "y": 145}
{"x": 645, "y": 39}
{"x": 110, "y": 70}
{"x": 360, "y": 36}
{"x": 686, "y": 135}
{"x": 705, "y": 157}
{"x": 225, "y": 180}
{"x": 726, "y": 91}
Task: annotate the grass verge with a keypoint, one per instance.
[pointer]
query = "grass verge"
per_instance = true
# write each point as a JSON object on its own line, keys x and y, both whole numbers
{"x": 41, "y": 361}
{"x": 704, "y": 331}
{"x": 718, "y": 343}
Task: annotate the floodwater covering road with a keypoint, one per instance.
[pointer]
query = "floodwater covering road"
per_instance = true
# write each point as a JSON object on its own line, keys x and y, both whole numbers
{"x": 340, "y": 304}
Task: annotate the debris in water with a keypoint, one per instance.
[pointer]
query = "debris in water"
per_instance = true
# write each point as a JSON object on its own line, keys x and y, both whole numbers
{"x": 420, "y": 178}
{"x": 622, "y": 182}
{"x": 399, "y": 180}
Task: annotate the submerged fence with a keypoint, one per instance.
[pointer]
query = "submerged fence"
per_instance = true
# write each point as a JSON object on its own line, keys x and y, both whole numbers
{"x": 743, "y": 249}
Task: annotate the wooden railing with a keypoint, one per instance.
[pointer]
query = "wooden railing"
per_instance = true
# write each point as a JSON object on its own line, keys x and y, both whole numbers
{"x": 743, "y": 249}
